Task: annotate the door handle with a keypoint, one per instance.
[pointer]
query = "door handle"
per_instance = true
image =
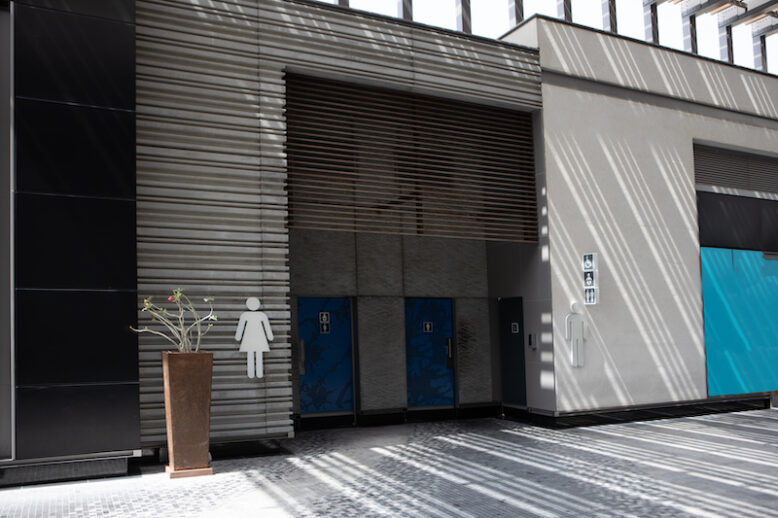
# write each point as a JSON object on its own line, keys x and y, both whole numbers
{"x": 302, "y": 357}
{"x": 449, "y": 354}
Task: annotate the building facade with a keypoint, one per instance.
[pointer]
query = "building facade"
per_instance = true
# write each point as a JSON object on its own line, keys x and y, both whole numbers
{"x": 413, "y": 207}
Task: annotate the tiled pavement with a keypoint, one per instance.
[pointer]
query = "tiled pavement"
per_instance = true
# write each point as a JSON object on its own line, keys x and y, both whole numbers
{"x": 712, "y": 466}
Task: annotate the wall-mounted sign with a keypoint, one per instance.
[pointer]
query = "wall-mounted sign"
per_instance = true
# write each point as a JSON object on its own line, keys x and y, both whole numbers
{"x": 590, "y": 262}
{"x": 591, "y": 281}
{"x": 427, "y": 327}
{"x": 324, "y": 322}
{"x": 254, "y": 333}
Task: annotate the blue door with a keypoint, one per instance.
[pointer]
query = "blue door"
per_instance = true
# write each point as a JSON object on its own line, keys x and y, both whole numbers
{"x": 429, "y": 352}
{"x": 740, "y": 297}
{"x": 326, "y": 374}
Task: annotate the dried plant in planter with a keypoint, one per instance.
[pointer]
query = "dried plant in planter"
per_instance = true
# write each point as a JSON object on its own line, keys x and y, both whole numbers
{"x": 185, "y": 333}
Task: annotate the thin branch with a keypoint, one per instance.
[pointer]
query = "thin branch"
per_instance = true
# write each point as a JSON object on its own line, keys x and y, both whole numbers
{"x": 152, "y": 331}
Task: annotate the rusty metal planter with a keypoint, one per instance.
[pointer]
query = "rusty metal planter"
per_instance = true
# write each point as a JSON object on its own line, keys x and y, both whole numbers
{"x": 187, "y": 378}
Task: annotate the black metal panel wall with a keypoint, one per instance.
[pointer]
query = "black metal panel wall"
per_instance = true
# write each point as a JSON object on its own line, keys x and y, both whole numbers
{"x": 75, "y": 258}
{"x": 6, "y": 363}
{"x": 373, "y": 160}
{"x": 738, "y": 222}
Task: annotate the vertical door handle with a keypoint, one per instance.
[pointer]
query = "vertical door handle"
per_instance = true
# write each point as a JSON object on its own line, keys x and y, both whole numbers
{"x": 302, "y": 357}
{"x": 449, "y": 354}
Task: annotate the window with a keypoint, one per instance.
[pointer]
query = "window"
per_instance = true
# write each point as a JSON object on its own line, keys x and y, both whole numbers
{"x": 588, "y": 12}
{"x": 630, "y": 20}
{"x": 490, "y": 18}
{"x": 708, "y": 43}
{"x": 547, "y": 7}
{"x": 670, "y": 26}
{"x": 441, "y": 13}
{"x": 385, "y": 7}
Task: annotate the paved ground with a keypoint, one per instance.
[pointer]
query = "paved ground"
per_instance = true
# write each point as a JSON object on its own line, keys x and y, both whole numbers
{"x": 713, "y": 466}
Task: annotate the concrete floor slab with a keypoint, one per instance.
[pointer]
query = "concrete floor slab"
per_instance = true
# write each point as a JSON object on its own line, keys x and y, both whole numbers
{"x": 708, "y": 466}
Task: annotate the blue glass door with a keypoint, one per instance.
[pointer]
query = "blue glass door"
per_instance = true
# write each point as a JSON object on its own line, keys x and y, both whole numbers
{"x": 326, "y": 374}
{"x": 429, "y": 352}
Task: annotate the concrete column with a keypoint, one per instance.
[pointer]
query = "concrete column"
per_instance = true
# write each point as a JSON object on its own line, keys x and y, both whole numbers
{"x": 406, "y": 9}
{"x": 516, "y": 11}
{"x": 650, "y": 22}
{"x": 725, "y": 44}
{"x": 464, "y": 23}
{"x": 690, "y": 34}
{"x": 565, "y": 10}
{"x": 760, "y": 53}
{"x": 609, "y": 16}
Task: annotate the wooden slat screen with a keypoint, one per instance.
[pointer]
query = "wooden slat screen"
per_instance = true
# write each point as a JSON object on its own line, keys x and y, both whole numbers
{"x": 364, "y": 159}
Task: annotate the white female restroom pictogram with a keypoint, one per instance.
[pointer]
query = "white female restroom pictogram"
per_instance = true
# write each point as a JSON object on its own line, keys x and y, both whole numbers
{"x": 254, "y": 330}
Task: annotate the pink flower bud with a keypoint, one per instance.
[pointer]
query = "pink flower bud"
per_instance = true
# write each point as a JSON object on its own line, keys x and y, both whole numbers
{"x": 170, "y": 297}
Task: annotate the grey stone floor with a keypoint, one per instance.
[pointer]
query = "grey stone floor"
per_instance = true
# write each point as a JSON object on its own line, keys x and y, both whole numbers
{"x": 711, "y": 466}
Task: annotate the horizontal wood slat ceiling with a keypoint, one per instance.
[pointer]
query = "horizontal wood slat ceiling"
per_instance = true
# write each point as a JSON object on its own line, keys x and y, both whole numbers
{"x": 364, "y": 159}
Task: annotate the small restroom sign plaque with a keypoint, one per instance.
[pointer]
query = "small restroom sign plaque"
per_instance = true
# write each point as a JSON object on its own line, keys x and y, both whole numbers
{"x": 324, "y": 323}
{"x": 591, "y": 281}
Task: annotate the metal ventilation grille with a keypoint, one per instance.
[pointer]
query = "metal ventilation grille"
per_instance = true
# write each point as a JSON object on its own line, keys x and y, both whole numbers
{"x": 373, "y": 160}
{"x": 720, "y": 168}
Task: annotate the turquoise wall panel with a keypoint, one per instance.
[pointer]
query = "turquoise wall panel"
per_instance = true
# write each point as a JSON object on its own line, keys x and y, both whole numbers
{"x": 740, "y": 301}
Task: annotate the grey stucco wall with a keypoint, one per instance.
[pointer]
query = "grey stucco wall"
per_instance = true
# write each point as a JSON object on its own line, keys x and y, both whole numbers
{"x": 381, "y": 338}
{"x": 620, "y": 182}
{"x": 474, "y": 350}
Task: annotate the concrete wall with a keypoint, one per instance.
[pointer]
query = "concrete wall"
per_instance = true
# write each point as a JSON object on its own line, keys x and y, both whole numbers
{"x": 620, "y": 182}
{"x": 380, "y": 271}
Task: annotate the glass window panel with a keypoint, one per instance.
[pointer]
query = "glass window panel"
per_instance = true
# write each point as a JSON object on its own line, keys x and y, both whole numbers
{"x": 772, "y": 54}
{"x": 743, "y": 45}
{"x": 629, "y": 18}
{"x": 708, "y": 36}
{"x": 588, "y": 12}
{"x": 670, "y": 26}
{"x": 491, "y": 18}
{"x": 387, "y": 7}
{"x": 328, "y": 1}
{"x": 441, "y": 13}
{"x": 547, "y": 7}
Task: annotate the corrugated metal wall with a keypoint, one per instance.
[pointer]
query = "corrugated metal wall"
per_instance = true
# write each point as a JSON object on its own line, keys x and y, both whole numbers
{"x": 212, "y": 166}
{"x": 731, "y": 169}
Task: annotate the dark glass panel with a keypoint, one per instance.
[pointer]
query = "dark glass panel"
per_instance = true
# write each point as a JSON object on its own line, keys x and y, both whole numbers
{"x": 729, "y": 221}
{"x": 769, "y": 212}
{"x": 53, "y": 347}
{"x": 67, "y": 57}
{"x": 73, "y": 420}
{"x": 74, "y": 243}
{"x": 67, "y": 149}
